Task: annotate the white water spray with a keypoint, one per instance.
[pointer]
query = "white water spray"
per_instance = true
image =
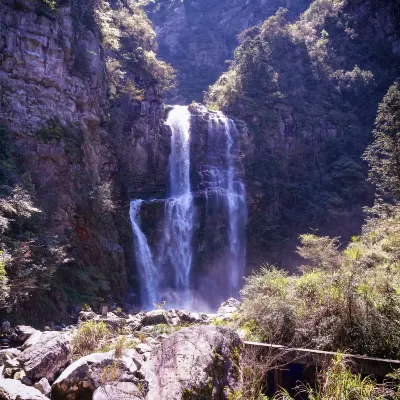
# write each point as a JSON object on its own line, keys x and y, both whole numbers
{"x": 228, "y": 187}
{"x": 170, "y": 276}
{"x": 144, "y": 259}
{"x": 178, "y": 224}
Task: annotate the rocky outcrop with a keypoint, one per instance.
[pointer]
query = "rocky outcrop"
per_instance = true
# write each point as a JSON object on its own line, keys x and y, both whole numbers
{"x": 120, "y": 390}
{"x": 22, "y": 333}
{"x": 199, "y": 362}
{"x": 44, "y": 359}
{"x": 94, "y": 371}
{"x": 11, "y": 389}
{"x": 82, "y": 155}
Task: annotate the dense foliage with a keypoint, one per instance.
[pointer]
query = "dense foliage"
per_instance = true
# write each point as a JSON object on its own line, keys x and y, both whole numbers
{"x": 383, "y": 155}
{"x": 309, "y": 91}
{"x": 337, "y": 382}
{"x": 199, "y": 37}
{"x": 342, "y": 300}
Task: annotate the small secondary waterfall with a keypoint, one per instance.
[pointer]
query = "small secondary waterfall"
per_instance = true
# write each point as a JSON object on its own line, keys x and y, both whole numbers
{"x": 230, "y": 190}
{"x": 176, "y": 248}
{"x": 144, "y": 258}
{"x": 166, "y": 271}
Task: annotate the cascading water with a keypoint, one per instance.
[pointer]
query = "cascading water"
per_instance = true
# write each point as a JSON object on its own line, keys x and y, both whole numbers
{"x": 168, "y": 275}
{"x": 224, "y": 181}
{"x": 176, "y": 248}
{"x": 144, "y": 259}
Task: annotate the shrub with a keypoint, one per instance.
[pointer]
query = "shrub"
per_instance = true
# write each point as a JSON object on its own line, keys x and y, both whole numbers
{"x": 51, "y": 3}
{"x": 337, "y": 381}
{"x": 160, "y": 306}
{"x": 254, "y": 367}
{"x": 161, "y": 329}
{"x": 101, "y": 195}
{"x": 120, "y": 346}
{"x": 342, "y": 300}
{"x": 129, "y": 40}
{"x": 110, "y": 373}
{"x": 7, "y": 163}
{"x": 4, "y": 289}
{"x": 89, "y": 337}
{"x": 51, "y": 131}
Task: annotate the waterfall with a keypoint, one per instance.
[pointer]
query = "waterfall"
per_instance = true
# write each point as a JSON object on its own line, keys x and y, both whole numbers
{"x": 178, "y": 225}
{"x": 224, "y": 181}
{"x": 168, "y": 275}
{"x": 144, "y": 259}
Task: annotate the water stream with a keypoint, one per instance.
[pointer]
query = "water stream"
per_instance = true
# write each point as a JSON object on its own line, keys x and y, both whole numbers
{"x": 176, "y": 246}
{"x": 172, "y": 262}
{"x": 144, "y": 258}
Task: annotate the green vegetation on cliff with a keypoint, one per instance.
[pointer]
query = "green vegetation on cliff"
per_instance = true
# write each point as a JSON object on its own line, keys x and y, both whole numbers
{"x": 383, "y": 155}
{"x": 199, "y": 37}
{"x": 129, "y": 40}
{"x": 309, "y": 91}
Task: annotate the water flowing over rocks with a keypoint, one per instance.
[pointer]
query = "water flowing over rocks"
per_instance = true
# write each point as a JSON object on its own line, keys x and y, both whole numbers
{"x": 195, "y": 257}
{"x": 52, "y": 77}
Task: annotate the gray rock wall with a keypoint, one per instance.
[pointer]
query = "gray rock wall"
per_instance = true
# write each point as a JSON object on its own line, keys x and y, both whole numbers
{"x": 73, "y": 142}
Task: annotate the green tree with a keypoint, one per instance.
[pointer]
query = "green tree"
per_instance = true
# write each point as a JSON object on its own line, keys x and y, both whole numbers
{"x": 383, "y": 155}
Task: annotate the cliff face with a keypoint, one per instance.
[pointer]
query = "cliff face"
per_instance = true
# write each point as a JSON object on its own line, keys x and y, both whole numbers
{"x": 197, "y": 37}
{"x": 67, "y": 138}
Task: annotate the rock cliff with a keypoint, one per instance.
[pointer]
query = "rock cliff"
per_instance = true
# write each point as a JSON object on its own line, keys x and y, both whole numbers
{"x": 80, "y": 152}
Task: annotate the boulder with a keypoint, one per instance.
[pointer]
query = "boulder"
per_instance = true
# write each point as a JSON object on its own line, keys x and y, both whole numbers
{"x": 135, "y": 356}
{"x": 8, "y": 354}
{"x": 86, "y": 316}
{"x": 22, "y": 333}
{"x": 134, "y": 322}
{"x": 11, "y": 368}
{"x": 197, "y": 362}
{"x": 155, "y": 317}
{"x": 43, "y": 386}
{"x": 11, "y": 389}
{"x": 32, "y": 340}
{"x": 84, "y": 376}
{"x": 229, "y": 307}
{"x": 45, "y": 358}
{"x": 191, "y": 318}
{"x": 118, "y": 391}
{"x": 112, "y": 320}
{"x": 142, "y": 348}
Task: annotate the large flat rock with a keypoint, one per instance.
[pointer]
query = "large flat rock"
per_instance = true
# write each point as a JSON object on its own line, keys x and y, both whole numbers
{"x": 199, "y": 362}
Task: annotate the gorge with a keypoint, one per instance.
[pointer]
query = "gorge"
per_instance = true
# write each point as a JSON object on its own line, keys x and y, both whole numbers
{"x": 180, "y": 179}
